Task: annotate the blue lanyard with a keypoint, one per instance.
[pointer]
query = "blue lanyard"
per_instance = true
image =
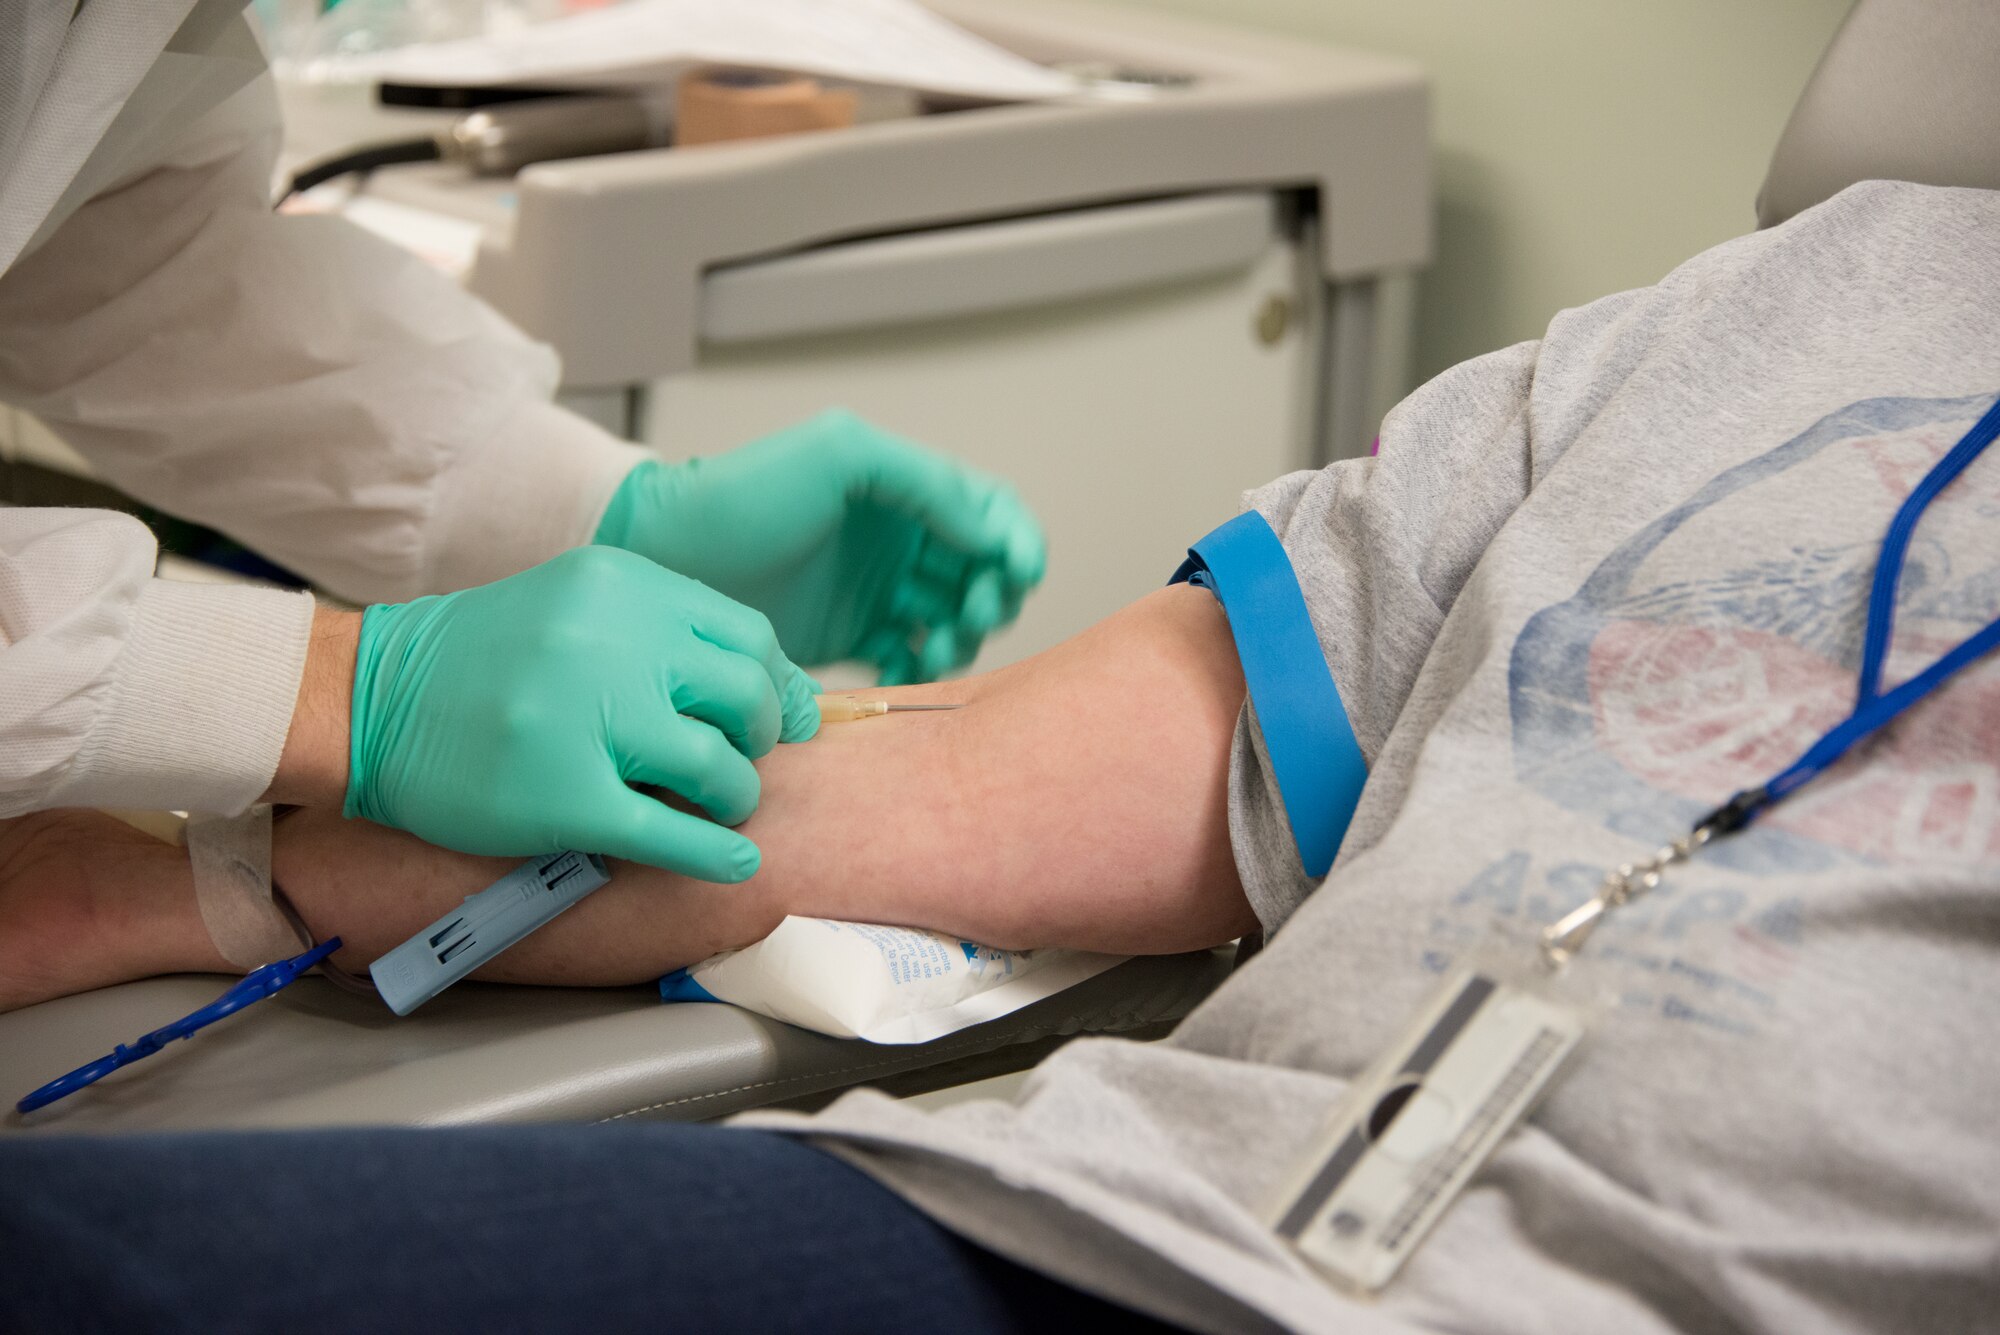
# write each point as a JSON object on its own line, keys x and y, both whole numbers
{"x": 1874, "y": 708}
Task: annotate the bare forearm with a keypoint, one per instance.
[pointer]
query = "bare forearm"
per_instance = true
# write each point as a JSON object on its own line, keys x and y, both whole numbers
{"x": 375, "y": 887}
{"x": 1078, "y": 800}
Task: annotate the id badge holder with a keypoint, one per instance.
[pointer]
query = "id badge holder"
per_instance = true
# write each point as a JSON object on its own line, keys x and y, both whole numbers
{"x": 1419, "y": 1123}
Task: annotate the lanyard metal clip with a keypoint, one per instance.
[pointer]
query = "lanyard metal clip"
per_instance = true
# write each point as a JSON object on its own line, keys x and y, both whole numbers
{"x": 1562, "y": 939}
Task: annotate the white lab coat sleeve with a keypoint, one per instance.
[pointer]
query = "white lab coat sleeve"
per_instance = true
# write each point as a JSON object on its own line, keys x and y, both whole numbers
{"x": 121, "y": 690}
{"x": 309, "y": 389}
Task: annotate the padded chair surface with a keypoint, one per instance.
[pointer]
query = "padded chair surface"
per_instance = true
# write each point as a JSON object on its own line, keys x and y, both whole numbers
{"x": 1906, "y": 92}
{"x": 315, "y": 1056}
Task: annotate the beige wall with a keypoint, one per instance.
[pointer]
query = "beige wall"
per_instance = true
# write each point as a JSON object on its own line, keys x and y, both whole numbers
{"x": 1583, "y": 146}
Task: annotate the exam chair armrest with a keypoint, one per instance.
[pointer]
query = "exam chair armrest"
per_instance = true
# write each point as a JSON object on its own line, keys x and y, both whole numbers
{"x": 313, "y": 1056}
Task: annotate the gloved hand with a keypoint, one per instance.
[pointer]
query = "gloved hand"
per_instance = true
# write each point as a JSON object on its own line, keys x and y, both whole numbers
{"x": 856, "y": 544}
{"x": 510, "y": 718}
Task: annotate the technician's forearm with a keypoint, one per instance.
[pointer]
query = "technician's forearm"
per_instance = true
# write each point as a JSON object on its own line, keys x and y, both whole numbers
{"x": 313, "y": 769}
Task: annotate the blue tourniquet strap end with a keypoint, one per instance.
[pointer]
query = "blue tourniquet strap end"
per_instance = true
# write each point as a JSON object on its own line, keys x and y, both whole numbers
{"x": 681, "y": 986}
{"x": 1315, "y": 759}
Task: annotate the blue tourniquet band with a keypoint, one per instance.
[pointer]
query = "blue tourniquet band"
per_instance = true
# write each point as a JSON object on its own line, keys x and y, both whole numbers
{"x": 1314, "y": 757}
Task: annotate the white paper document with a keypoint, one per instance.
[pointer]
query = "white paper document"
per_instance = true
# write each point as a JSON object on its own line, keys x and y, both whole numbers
{"x": 893, "y": 42}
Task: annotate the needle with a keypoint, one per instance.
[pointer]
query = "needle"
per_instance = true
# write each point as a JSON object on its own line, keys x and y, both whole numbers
{"x": 847, "y": 709}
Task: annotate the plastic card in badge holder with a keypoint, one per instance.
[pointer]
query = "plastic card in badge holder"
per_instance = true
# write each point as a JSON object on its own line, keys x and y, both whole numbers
{"x": 1414, "y": 1129}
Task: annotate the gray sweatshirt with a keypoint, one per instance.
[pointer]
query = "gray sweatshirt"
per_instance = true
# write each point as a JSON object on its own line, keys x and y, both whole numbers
{"x": 1591, "y": 586}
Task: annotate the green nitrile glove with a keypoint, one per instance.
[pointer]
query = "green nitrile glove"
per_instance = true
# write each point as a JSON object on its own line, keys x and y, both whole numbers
{"x": 511, "y": 719}
{"x": 856, "y": 544}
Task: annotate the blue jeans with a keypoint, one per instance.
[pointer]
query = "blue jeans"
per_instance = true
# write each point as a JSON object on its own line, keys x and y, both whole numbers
{"x": 600, "y": 1229}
